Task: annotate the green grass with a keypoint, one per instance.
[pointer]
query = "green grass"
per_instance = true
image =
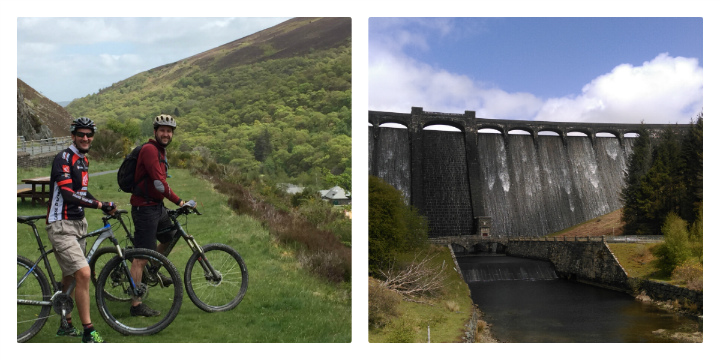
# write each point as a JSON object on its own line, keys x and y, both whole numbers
{"x": 282, "y": 304}
{"x": 637, "y": 260}
{"x": 445, "y": 325}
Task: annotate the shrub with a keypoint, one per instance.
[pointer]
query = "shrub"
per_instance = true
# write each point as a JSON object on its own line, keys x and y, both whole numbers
{"x": 676, "y": 247}
{"x": 689, "y": 273}
{"x": 109, "y": 145}
{"x": 320, "y": 249}
{"x": 382, "y": 304}
{"x": 393, "y": 227}
{"x": 325, "y": 264}
{"x": 480, "y": 327}
{"x": 403, "y": 333}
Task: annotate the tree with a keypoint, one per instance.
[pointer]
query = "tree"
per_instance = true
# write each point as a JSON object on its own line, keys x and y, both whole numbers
{"x": 393, "y": 227}
{"x": 692, "y": 156}
{"x": 640, "y": 162}
{"x": 676, "y": 248}
{"x": 263, "y": 147}
{"x": 662, "y": 188}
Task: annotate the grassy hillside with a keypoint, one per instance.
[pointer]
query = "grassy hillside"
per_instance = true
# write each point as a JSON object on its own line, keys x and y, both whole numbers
{"x": 607, "y": 224}
{"x": 276, "y": 104}
{"x": 283, "y": 302}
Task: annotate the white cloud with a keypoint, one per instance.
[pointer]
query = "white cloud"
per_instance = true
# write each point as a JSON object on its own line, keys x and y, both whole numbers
{"x": 66, "y": 58}
{"x": 664, "y": 90}
{"x": 397, "y": 83}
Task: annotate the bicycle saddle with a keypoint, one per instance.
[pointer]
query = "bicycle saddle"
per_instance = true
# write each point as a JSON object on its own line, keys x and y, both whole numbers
{"x": 26, "y": 219}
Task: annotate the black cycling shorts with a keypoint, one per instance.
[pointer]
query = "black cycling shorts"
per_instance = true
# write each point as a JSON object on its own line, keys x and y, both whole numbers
{"x": 151, "y": 222}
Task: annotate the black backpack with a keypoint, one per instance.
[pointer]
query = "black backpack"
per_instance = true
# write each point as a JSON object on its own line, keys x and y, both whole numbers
{"x": 126, "y": 173}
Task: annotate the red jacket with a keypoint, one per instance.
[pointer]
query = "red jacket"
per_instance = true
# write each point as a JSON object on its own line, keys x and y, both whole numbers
{"x": 151, "y": 175}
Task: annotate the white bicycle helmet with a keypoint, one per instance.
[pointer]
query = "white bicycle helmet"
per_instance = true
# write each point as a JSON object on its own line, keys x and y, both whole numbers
{"x": 164, "y": 120}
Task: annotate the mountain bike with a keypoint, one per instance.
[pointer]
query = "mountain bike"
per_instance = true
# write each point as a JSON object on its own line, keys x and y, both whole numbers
{"x": 36, "y": 297}
{"x": 216, "y": 278}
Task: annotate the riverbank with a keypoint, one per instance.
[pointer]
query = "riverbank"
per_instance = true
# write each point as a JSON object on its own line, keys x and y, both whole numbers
{"x": 449, "y": 317}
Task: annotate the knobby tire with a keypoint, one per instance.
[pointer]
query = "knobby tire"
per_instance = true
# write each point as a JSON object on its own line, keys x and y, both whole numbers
{"x": 213, "y": 296}
{"x": 113, "y": 280}
{"x": 35, "y": 287}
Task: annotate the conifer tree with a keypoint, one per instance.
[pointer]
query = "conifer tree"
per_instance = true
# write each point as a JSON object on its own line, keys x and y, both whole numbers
{"x": 662, "y": 188}
{"x": 692, "y": 156}
{"x": 640, "y": 162}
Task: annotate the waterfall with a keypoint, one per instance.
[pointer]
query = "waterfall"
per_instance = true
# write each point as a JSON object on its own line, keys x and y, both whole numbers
{"x": 505, "y": 269}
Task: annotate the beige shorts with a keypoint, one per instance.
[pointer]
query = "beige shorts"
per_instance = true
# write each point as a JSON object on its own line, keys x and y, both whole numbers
{"x": 69, "y": 252}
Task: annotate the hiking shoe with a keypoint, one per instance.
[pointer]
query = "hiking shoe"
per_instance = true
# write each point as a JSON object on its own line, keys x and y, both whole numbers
{"x": 164, "y": 280}
{"x": 68, "y": 330}
{"x": 92, "y": 337}
{"x": 143, "y": 310}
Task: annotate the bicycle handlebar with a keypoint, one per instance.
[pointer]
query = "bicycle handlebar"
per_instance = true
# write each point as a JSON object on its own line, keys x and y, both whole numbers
{"x": 187, "y": 208}
{"x": 116, "y": 215}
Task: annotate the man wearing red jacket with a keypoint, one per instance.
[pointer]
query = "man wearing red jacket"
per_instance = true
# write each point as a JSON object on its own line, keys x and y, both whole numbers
{"x": 148, "y": 211}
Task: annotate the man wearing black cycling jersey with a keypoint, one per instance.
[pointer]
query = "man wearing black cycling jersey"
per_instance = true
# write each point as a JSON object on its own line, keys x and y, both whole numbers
{"x": 66, "y": 222}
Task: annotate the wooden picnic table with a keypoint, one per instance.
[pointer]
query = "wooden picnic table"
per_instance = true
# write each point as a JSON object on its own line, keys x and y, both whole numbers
{"x": 37, "y": 193}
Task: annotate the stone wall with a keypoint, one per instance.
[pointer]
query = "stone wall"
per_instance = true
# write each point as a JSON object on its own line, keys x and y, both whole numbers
{"x": 24, "y": 160}
{"x": 663, "y": 292}
{"x": 585, "y": 261}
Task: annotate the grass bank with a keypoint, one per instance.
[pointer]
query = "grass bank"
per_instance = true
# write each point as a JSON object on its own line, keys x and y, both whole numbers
{"x": 283, "y": 304}
{"x": 446, "y": 315}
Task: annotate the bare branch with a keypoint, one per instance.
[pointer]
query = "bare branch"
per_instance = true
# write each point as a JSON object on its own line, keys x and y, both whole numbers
{"x": 417, "y": 279}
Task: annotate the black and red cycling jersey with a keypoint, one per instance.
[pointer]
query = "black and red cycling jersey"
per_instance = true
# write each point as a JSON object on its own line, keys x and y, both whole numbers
{"x": 69, "y": 186}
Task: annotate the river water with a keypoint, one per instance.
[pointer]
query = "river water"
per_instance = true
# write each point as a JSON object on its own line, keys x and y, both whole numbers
{"x": 525, "y": 302}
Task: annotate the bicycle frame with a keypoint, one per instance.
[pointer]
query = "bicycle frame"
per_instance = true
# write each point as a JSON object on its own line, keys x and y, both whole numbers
{"x": 103, "y": 233}
{"x": 189, "y": 239}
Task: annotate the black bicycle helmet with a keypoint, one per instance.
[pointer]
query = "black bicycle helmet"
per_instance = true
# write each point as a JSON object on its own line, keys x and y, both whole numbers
{"x": 82, "y": 123}
{"x": 164, "y": 120}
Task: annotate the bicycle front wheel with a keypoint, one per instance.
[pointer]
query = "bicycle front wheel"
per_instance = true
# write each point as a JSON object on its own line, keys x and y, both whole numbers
{"x": 98, "y": 261}
{"x": 32, "y": 287}
{"x": 114, "y": 280}
{"x": 216, "y": 293}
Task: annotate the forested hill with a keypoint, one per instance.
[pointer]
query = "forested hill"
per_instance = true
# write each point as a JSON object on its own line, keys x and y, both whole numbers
{"x": 276, "y": 103}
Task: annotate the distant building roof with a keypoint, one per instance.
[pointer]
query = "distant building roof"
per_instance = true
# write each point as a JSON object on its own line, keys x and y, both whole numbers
{"x": 335, "y": 193}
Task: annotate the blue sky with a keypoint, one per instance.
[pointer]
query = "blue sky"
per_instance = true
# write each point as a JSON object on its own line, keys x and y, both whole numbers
{"x": 554, "y": 69}
{"x": 68, "y": 58}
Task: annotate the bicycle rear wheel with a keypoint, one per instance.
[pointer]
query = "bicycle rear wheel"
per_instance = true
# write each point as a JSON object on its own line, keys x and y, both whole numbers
{"x": 34, "y": 287}
{"x": 216, "y": 294}
{"x": 98, "y": 261}
{"x": 114, "y": 280}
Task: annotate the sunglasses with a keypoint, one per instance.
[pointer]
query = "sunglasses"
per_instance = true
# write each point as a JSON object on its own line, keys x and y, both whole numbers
{"x": 84, "y": 134}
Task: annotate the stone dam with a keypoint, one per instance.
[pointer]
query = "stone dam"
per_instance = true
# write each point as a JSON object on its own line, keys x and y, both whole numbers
{"x": 475, "y": 182}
